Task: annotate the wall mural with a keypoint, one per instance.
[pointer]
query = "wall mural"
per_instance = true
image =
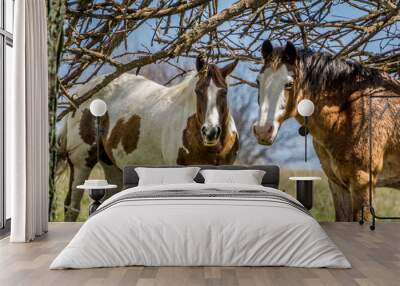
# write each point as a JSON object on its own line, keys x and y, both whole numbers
{"x": 195, "y": 82}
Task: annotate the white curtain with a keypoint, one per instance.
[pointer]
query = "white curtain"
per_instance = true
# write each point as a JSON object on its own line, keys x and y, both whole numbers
{"x": 27, "y": 149}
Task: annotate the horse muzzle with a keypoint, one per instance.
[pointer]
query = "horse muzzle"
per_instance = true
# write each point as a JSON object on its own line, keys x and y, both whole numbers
{"x": 210, "y": 143}
{"x": 210, "y": 135}
{"x": 264, "y": 134}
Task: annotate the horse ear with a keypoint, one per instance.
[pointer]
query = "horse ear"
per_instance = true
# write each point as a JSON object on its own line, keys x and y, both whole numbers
{"x": 228, "y": 69}
{"x": 200, "y": 62}
{"x": 266, "y": 49}
{"x": 290, "y": 53}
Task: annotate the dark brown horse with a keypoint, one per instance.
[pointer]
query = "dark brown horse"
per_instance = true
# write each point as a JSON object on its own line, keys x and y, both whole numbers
{"x": 340, "y": 90}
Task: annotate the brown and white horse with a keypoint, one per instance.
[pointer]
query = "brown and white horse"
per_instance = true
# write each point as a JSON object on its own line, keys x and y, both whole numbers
{"x": 147, "y": 123}
{"x": 340, "y": 90}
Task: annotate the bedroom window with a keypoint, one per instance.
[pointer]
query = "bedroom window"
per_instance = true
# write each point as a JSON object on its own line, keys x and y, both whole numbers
{"x": 6, "y": 62}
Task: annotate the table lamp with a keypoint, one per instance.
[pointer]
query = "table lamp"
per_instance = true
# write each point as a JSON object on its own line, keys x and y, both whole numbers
{"x": 305, "y": 109}
{"x": 98, "y": 108}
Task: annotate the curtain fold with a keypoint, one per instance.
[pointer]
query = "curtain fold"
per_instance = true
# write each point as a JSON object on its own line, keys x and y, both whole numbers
{"x": 27, "y": 123}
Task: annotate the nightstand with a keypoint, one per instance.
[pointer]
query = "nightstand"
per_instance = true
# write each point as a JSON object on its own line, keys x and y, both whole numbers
{"x": 304, "y": 190}
{"x": 97, "y": 189}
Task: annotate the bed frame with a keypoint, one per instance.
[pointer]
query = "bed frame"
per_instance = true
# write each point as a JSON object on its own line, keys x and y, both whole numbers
{"x": 270, "y": 179}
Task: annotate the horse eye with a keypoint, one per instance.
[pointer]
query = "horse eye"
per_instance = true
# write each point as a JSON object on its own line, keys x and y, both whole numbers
{"x": 289, "y": 85}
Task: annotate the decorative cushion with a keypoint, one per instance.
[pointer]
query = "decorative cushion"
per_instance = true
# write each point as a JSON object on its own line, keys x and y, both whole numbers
{"x": 248, "y": 177}
{"x": 162, "y": 176}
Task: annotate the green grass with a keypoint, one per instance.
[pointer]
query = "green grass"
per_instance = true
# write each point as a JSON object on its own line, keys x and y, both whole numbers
{"x": 62, "y": 189}
{"x": 386, "y": 200}
{"x": 323, "y": 209}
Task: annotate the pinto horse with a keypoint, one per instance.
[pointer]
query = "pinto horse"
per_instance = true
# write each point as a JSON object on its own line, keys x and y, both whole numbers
{"x": 340, "y": 91}
{"x": 147, "y": 123}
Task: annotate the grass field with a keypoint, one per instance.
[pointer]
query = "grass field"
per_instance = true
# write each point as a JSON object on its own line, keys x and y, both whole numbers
{"x": 387, "y": 201}
{"x": 61, "y": 192}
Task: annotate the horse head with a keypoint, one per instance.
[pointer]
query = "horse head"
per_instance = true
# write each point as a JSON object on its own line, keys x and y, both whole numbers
{"x": 275, "y": 90}
{"x": 211, "y": 99}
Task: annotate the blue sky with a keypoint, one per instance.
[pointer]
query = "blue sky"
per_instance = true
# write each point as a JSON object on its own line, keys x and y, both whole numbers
{"x": 140, "y": 39}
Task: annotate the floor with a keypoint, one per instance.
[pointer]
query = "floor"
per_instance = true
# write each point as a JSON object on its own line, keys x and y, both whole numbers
{"x": 375, "y": 256}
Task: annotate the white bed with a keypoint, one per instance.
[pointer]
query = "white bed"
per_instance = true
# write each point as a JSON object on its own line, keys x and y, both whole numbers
{"x": 265, "y": 229}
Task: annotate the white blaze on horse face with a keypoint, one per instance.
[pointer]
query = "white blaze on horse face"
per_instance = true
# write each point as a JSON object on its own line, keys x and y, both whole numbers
{"x": 212, "y": 114}
{"x": 211, "y": 129}
{"x": 272, "y": 99}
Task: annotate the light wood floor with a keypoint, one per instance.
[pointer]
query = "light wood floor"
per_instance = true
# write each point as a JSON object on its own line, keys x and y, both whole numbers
{"x": 375, "y": 257}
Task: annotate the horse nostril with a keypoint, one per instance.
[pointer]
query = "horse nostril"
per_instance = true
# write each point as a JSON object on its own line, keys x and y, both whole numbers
{"x": 255, "y": 129}
{"x": 270, "y": 129}
{"x": 203, "y": 130}
{"x": 218, "y": 131}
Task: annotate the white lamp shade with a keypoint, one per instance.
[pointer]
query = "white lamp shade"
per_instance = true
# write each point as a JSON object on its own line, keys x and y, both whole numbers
{"x": 305, "y": 107}
{"x": 98, "y": 107}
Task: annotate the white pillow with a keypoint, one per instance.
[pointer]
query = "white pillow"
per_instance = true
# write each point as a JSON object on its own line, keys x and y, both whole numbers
{"x": 165, "y": 176}
{"x": 248, "y": 177}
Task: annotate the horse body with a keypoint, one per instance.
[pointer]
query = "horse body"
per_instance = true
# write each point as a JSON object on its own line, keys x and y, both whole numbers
{"x": 126, "y": 99}
{"x": 341, "y": 141}
{"x": 340, "y": 91}
{"x": 148, "y": 124}
{"x": 156, "y": 117}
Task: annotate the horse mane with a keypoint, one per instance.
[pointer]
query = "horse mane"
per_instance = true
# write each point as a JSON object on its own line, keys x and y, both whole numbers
{"x": 187, "y": 82}
{"x": 323, "y": 72}
{"x": 189, "y": 77}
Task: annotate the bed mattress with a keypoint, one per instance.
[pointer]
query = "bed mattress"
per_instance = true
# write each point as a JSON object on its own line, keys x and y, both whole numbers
{"x": 201, "y": 225}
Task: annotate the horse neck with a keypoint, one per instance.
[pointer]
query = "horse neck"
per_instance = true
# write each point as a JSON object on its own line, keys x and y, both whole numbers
{"x": 326, "y": 114}
{"x": 331, "y": 102}
{"x": 184, "y": 92}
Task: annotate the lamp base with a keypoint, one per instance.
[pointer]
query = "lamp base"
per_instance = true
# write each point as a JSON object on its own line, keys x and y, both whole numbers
{"x": 303, "y": 131}
{"x": 304, "y": 193}
{"x": 96, "y": 195}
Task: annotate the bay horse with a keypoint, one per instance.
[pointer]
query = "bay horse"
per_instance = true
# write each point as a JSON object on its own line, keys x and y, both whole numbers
{"x": 340, "y": 91}
{"x": 147, "y": 124}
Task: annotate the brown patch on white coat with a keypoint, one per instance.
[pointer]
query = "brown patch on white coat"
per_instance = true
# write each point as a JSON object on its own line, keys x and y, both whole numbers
{"x": 126, "y": 133}
{"x": 87, "y": 132}
{"x": 147, "y": 123}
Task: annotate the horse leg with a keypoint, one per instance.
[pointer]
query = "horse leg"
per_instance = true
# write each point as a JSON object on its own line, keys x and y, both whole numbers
{"x": 114, "y": 176}
{"x": 360, "y": 194}
{"x": 342, "y": 201}
{"x": 79, "y": 175}
{"x": 341, "y": 194}
{"x": 67, "y": 200}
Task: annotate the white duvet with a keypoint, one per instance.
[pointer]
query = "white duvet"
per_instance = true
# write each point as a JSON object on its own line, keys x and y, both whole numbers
{"x": 200, "y": 231}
